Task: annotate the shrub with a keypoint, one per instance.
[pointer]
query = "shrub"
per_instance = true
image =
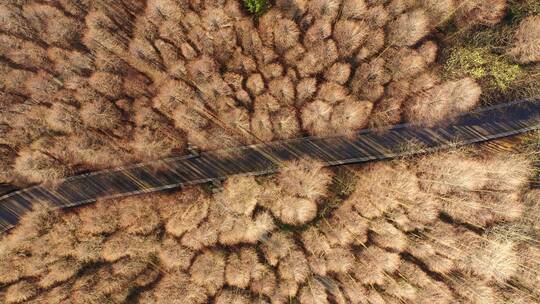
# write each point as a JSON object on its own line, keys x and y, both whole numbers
{"x": 100, "y": 218}
{"x": 149, "y": 143}
{"x": 240, "y": 267}
{"x": 63, "y": 118}
{"x": 156, "y": 72}
{"x": 59, "y": 271}
{"x": 356, "y": 244}
{"x": 100, "y": 114}
{"x": 256, "y": 7}
{"x": 20, "y": 292}
{"x": 232, "y": 296}
{"x": 306, "y": 178}
{"x": 208, "y": 271}
{"x": 137, "y": 217}
{"x": 173, "y": 255}
{"x": 239, "y": 195}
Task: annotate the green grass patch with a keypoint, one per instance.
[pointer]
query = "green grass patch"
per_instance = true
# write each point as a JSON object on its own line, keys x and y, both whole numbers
{"x": 482, "y": 64}
{"x": 256, "y": 7}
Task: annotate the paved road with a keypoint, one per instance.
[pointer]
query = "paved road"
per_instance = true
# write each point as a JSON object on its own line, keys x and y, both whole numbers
{"x": 482, "y": 125}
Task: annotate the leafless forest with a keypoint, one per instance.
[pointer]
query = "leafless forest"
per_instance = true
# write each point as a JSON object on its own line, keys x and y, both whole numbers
{"x": 92, "y": 84}
{"x": 446, "y": 228}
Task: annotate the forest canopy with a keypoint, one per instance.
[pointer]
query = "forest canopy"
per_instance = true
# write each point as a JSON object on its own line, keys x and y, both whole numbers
{"x": 88, "y": 85}
{"x": 93, "y": 84}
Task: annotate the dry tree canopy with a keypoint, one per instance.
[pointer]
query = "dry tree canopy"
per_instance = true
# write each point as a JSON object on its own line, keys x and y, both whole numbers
{"x": 442, "y": 101}
{"x": 121, "y": 78}
{"x": 90, "y": 84}
{"x": 445, "y": 228}
{"x": 526, "y": 47}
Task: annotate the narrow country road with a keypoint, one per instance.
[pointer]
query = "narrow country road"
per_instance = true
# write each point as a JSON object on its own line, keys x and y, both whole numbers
{"x": 482, "y": 125}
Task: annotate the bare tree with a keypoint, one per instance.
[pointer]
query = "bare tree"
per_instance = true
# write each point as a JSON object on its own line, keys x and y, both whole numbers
{"x": 107, "y": 84}
{"x": 63, "y": 118}
{"x": 443, "y": 101}
{"x": 349, "y": 35}
{"x": 409, "y": 28}
{"x": 472, "y": 13}
{"x": 37, "y": 167}
{"x": 100, "y": 114}
{"x": 527, "y": 40}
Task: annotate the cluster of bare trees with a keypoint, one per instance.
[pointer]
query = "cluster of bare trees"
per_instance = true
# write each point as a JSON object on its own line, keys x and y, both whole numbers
{"x": 94, "y": 84}
{"x": 447, "y": 228}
